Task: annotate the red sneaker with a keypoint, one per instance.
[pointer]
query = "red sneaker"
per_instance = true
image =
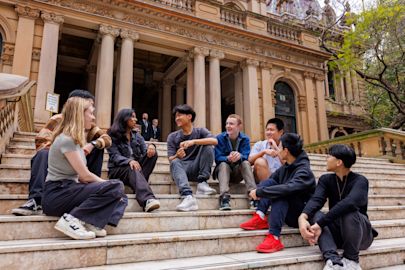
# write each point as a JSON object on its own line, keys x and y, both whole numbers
{"x": 255, "y": 223}
{"x": 270, "y": 244}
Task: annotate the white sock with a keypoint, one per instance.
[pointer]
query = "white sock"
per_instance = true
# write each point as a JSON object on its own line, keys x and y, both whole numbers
{"x": 261, "y": 214}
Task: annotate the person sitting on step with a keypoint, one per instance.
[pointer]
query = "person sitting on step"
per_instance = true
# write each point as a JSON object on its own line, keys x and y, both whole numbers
{"x": 84, "y": 202}
{"x": 346, "y": 225}
{"x": 191, "y": 155}
{"x": 287, "y": 191}
{"x": 96, "y": 139}
{"x": 231, "y": 154}
{"x": 131, "y": 160}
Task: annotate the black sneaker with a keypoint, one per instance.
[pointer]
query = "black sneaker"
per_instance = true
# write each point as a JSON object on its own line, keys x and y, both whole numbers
{"x": 28, "y": 209}
{"x": 225, "y": 205}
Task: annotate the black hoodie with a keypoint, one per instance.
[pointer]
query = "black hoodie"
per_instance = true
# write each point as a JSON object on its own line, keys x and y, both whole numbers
{"x": 296, "y": 181}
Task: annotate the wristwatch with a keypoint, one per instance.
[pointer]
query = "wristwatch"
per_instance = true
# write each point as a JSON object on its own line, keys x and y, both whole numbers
{"x": 94, "y": 143}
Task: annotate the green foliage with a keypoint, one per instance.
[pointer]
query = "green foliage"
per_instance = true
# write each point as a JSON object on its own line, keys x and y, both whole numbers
{"x": 380, "y": 109}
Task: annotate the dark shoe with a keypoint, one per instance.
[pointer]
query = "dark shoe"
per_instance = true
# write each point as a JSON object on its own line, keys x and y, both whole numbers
{"x": 28, "y": 209}
{"x": 255, "y": 223}
{"x": 270, "y": 244}
{"x": 225, "y": 205}
{"x": 253, "y": 204}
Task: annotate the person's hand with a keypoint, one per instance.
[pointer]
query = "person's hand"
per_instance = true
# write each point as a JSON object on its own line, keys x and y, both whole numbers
{"x": 305, "y": 230}
{"x": 234, "y": 156}
{"x": 151, "y": 151}
{"x": 253, "y": 195}
{"x": 271, "y": 152}
{"x": 317, "y": 230}
{"x": 134, "y": 165}
{"x": 88, "y": 148}
{"x": 187, "y": 144}
{"x": 180, "y": 153}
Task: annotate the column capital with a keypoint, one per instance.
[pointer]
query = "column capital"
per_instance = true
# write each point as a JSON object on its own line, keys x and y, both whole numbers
{"x": 266, "y": 65}
{"x": 51, "y": 17}
{"x": 200, "y": 51}
{"x": 26, "y": 11}
{"x": 109, "y": 30}
{"x": 214, "y": 54}
{"x": 168, "y": 82}
{"x": 249, "y": 62}
{"x": 320, "y": 77}
{"x": 309, "y": 75}
{"x": 126, "y": 33}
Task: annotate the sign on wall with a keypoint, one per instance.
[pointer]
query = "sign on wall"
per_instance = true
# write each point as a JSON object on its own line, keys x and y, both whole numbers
{"x": 52, "y": 102}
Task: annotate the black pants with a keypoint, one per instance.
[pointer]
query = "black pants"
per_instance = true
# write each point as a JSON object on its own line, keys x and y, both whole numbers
{"x": 136, "y": 179}
{"x": 351, "y": 232}
{"x": 39, "y": 170}
{"x": 97, "y": 203}
{"x": 148, "y": 164}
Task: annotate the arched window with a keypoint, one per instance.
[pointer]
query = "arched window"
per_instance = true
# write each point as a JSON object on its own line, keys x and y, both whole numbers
{"x": 285, "y": 106}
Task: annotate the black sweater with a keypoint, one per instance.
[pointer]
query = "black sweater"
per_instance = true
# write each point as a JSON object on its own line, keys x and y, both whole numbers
{"x": 354, "y": 197}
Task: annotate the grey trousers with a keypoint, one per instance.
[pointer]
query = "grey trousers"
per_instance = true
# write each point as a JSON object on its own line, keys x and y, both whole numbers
{"x": 235, "y": 173}
{"x": 198, "y": 169}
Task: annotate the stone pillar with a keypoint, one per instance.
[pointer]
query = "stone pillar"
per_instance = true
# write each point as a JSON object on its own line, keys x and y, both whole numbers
{"x": 105, "y": 76}
{"x": 126, "y": 68}
{"x": 269, "y": 110}
{"x": 167, "y": 107}
{"x": 91, "y": 78}
{"x": 302, "y": 108}
{"x": 179, "y": 93}
{"x": 215, "y": 91}
{"x": 355, "y": 84}
{"x": 238, "y": 77}
{"x": 190, "y": 80}
{"x": 312, "y": 118}
{"x": 320, "y": 94}
{"x": 349, "y": 89}
{"x": 199, "y": 86}
{"x": 251, "y": 99}
{"x": 47, "y": 64}
{"x": 342, "y": 88}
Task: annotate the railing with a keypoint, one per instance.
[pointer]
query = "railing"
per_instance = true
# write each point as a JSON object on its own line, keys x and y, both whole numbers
{"x": 283, "y": 32}
{"x": 383, "y": 142}
{"x": 233, "y": 17}
{"x": 185, "y": 5}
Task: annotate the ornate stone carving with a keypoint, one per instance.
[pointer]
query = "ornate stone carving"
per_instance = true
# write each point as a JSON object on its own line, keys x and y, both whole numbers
{"x": 266, "y": 65}
{"x": 201, "y": 51}
{"x": 7, "y": 55}
{"x": 36, "y": 54}
{"x": 109, "y": 30}
{"x": 126, "y": 33}
{"x": 319, "y": 77}
{"x": 217, "y": 54}
{"x": 308, "y": 75}
{"x": 26, "y": 11}
{"x": 249, "y": 62}
{"x": 302, "y": 103}
{"x": 52, "y": 17}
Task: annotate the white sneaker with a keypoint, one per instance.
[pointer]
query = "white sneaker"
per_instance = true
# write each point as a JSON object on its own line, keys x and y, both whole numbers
{"x": 97, "y": 231}
{"x": 73, "y": 227}
{"x": 330, "y": 266}
{"x": 350, "y": 265}
{"x": 204, "y": 189}
{"x": 189, "y": 203}
{"x": 151, "y": 204}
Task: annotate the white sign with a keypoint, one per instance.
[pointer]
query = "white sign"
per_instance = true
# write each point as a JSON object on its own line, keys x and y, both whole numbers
{"x": 52, "y": 102}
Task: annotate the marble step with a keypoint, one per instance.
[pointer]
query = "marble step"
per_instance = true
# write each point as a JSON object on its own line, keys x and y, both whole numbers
{"x": 381, "y": 255}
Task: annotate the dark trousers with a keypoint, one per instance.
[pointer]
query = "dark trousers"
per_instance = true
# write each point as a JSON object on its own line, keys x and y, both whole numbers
{"x": 97, "y": 203}
{"x": 148, "y": 164}
{"x": 39, "y": 170}
{"x": 351, "y": 232}
{"x": 136, "y": 180}
{"x": 283, "y": 210}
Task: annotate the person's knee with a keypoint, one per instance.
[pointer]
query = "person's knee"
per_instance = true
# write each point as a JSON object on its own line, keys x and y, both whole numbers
{"x": 175, "y": 163}
{"x": 224, "y": 167}
{"x": 351, "y": 219}
{"x": 245, "y": 165}
{"x": 207, "y": 151}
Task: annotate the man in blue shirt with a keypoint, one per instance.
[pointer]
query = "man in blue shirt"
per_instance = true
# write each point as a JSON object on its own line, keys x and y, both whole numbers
{"x": 231, "y": 154}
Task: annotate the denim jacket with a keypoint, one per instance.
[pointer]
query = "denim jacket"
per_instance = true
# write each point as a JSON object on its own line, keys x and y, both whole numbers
{"x": 122, "y": 152}
{"x": 224, "y": 147}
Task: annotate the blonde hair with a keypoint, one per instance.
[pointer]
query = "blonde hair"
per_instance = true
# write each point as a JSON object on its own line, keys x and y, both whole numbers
{"x": 72, "y": 123}
{"x": 237, "y": 117}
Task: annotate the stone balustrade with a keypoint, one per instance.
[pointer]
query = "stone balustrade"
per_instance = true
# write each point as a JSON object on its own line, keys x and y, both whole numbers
{"x": 234, "y": 17}
{"x": 383, "y": 142}
{"x": 185, "y": 5}
{"x": 283, "y": 32}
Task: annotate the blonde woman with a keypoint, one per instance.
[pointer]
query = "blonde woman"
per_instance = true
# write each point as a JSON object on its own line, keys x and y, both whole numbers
{"x": 85, "y": 202}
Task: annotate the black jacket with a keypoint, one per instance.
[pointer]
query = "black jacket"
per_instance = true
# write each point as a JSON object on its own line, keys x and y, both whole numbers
{"x": 296, "y": 181}
{"x": 146, "y": 133}
{"x": 122, "y": 152}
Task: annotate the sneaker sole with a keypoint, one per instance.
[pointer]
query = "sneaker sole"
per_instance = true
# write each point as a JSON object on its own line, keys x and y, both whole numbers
{"x": 206, "y": 193}
{"x": 68, "y": 233}
{"x": 152, "y": 207}
{"x": 260, "y": 250}
{"x": 253, "y": 228}
{"x": 225, "y": 209}
{"x": 22, "y": 212}
{"x": 187, "y": 210}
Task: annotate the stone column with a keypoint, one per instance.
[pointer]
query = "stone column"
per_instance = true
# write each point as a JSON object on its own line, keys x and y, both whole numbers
{"x": 355, "y": 84}
{"x": 312, "y": 118}
{"x": 179, "y": 93}
{"x": 215, "y": 91}
{"x": 167, "y": 107}
{"x": 349, "y": 89}
{"x": 190, "y": 80}
{"x": 24, "y": 40}
{"x": 320, "y": 94}
{"x": 126, "y": 68}
{"x": 105, "y": 76}
{"x": 251, "y": 99}
{"x": 267, "y": 100}
{"x": 342, "y": 88}
{"x": 238, "y": 77}
{"x": 302, "y": 108}
{"x": 199, "y": 86}
{"x": 91, "y": 78}
{"x": 47, "y": 64}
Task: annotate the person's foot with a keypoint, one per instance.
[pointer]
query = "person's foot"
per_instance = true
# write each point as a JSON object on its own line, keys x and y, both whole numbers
{"x": 329, "y": 265}
{"x": 28, "y": 209}
{"x": 224, "y": 204}
{"x": 350, "y": 265}
{"x": 255, "y": 223}
{"x": 73, "y": 227}
{"x": 97, "y": 231}
{"x": 151, "y": 205}
{"x": 189, "y": 203}
{"x": 204, "y": 189}
{"x": 253, "y": 204}
{"x": 270, "y": 244}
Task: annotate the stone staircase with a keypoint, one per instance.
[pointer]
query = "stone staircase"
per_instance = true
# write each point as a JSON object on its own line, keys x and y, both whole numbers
{"x": 166, "y": 239}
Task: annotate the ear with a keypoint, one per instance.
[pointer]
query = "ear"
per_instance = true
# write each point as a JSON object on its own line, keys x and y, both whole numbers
{"x": 339, "y": 163}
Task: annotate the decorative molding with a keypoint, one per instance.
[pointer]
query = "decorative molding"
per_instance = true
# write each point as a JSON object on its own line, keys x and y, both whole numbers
{"x": 266, "y": 65}
{"x": 109, "y": 30}
{"x": 126, "y": 33}
{"x": 302, "y": 103}
{"x": 26, "y": 11}
{"x": 7, "y": 55}
{"x": 36, "y": 54}
{"x": 308, "y": 75}
{"x": 200, "y": 51}
{"x": 274, "y": 97}
{"x": 52, "y": 17}
{"x": 249, "y": 62}
{"x": 214, "y": 54}
{"x": 319, "y": 77}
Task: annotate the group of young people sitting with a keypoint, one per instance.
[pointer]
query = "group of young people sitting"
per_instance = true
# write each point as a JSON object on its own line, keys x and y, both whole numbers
{"x": 65, "y": 178}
